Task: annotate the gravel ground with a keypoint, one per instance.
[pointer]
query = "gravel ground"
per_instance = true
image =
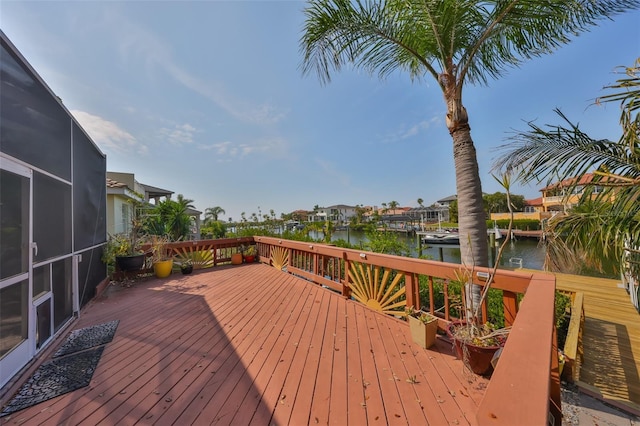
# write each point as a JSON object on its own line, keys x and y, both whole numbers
{"x": 581, "y": 409}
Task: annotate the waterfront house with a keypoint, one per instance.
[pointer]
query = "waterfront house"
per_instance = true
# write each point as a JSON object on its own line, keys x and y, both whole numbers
{"x": 52, "y": 187}
{"x": 447, "y": 200}
{"x": 557, "y": 198}
{"x": 339, "y": 214}
{"x": 562, "y": 196}
{"x": 123, "y": 189}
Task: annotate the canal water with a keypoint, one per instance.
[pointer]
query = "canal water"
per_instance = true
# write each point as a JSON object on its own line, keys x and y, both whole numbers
{"x": 523, "y": 252}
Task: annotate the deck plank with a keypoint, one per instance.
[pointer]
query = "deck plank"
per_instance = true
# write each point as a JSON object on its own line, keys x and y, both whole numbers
{"x": 373, "y": 398}
{"x": 356, "y": 414}
{"x": 339, "y": 393}
{"x": 394, "y": 411}
{"x": 270, "y": 380}
{"x": 253, "y": 345}
{"x": 301, "y": 413}
{"x": 283, "y": 410}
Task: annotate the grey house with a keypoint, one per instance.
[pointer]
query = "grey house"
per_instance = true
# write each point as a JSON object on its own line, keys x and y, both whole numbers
{"x": 52, "y": 213}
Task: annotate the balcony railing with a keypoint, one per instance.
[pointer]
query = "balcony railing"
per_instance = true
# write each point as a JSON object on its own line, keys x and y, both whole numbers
{"x": 524, "y": 387}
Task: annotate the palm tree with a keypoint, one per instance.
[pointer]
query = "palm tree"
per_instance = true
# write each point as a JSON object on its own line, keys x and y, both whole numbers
{"x": 420, "y": 201}
{"x": 605, "y": 221}
{"x": 170, "y": 218}
{"x": 455, "y": 42}
{"x": 212, "y": 213}
{"x": 185, "y": 202}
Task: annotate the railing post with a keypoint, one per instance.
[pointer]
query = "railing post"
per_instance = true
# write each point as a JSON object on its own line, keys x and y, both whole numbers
{"x": 510, "y": 306}
{"x": 554, "y": 381}
{"x": 445, "y": 287}
{"x": 412, "y": 290}
{"x": 485, "y": 309}
{"x": 316, "y": 267}
{"x": 346, "y": 290}
{"x": 431, "y": 296}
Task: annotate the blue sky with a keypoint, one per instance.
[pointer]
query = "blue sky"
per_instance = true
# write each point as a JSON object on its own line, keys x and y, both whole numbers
{"x": 207, "y": 99}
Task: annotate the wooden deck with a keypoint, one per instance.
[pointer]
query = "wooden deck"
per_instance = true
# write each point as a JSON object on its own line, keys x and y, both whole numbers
{"x": 611, "y": 339}
{"x": 252, "y": 345}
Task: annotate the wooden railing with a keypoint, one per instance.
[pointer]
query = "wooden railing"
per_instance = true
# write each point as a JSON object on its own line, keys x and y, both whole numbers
{"x": 201, "y": 253}
{"x": 343, "y": 270}
{"x": 525, "y": 386}
{"x": 208, "y": 253}
{"x": 573, "y": 350}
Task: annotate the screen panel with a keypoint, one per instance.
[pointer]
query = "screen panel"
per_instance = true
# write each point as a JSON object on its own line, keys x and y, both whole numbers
{"x": 34, "y": 128}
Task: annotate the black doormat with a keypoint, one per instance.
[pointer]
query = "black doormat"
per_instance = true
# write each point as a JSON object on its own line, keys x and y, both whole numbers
{"x": 88, "y": 337}
{"x": 54, "y": 378}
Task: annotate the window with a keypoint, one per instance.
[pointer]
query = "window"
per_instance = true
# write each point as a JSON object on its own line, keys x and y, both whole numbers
{"x": 125, "y": 218}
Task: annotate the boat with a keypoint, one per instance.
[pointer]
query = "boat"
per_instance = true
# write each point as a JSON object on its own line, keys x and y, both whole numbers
{"x": 443, "y": 237}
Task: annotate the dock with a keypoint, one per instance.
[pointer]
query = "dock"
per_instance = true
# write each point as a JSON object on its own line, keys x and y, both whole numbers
{"x": 611, "y": 341}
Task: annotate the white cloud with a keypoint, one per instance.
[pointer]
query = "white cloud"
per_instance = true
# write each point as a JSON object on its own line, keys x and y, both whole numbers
{"x": 406, "y": 132}
{"x": 181, "y": 134}
{"x": 227, "y": 151}
{"x": 108, "y": 135}
{"x": 138, "y": 43}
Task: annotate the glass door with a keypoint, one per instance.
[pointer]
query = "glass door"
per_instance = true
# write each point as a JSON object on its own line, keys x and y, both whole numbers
{"x": 16, "y": 313}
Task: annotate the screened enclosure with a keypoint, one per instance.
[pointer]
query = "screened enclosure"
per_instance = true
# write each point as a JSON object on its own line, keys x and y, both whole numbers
{"x": 52, "y": 213}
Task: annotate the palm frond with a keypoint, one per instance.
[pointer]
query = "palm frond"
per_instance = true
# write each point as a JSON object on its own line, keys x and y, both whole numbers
{"x": 558, "y": 152}
{"x": 593, "y": 234}
{"x": 514, "y": 31}
{"x": 464, "y": 40}
{"x": 370, "y": 34}
{"x": 627, "y": 92}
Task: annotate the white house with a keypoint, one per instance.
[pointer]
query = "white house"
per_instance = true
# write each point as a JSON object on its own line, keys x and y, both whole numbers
{"x": 338, "y": 214}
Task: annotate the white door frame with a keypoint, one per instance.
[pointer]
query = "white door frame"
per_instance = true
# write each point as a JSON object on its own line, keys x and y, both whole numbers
{"x": 15, "y": 359}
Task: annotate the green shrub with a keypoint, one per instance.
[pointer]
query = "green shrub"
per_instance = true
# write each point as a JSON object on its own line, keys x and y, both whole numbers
{"x": 521, "y": 224}
{"x": 563, "y": 316}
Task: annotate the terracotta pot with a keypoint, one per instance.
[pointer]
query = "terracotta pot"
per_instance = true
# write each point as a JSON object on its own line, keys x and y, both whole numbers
{"x": 236, "y": 259}
{"x": 479, "y": 357}
{"x": 250, "y": 258}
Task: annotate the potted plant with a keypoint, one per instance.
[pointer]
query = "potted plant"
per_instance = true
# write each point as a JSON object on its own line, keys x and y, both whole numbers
{"x": 249, "y": 254}
{"x": 237, "y": 258}
{"x": 477, "y": 345}
{"x": 123, "y": 251}
{"x": 186, "y": 266}
{"x": 423, "y": 326}
{"x": 162, "y": 261}
{"x": 477, "y": 341}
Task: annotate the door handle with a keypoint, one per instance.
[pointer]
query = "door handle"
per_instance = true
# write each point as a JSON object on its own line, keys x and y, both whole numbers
{"x": 34, "y": 247}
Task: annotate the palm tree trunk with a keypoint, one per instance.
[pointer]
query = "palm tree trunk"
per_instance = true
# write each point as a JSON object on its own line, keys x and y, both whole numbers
{"x": 472, "y": 225}
{"x": 471, "y": 216}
